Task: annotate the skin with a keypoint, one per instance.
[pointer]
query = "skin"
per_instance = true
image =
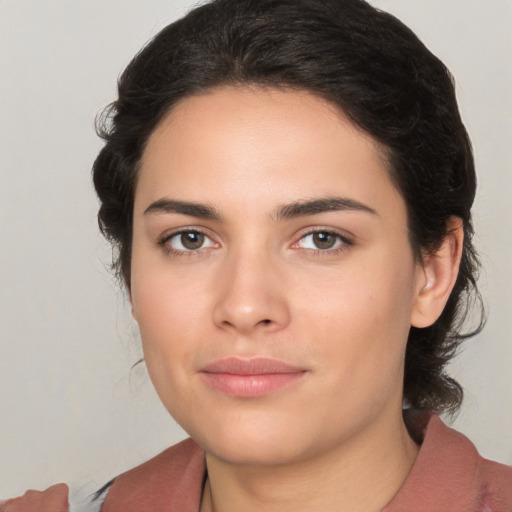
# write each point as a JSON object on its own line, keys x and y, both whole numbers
{"x": 259, "y": 286}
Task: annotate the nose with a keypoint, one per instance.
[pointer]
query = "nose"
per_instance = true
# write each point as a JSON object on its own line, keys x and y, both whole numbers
{"x": 250, "y": 297}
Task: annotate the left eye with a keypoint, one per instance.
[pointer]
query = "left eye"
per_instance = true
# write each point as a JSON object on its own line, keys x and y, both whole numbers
{"x": 321, "y": 240}
{"x": 187, "y": 241}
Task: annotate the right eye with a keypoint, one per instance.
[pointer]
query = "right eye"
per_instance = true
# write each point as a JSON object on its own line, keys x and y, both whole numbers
{"x": 188, "y": 241}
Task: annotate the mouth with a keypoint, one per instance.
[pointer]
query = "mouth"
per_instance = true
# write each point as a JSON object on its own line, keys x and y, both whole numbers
{"x": 250, "y": 378}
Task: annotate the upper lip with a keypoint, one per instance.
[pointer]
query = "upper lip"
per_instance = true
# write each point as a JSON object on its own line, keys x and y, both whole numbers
{"x": 252, "y": 366}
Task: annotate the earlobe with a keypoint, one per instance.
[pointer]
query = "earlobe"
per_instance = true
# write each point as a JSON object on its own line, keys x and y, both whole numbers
{"x": 437, "y": 276}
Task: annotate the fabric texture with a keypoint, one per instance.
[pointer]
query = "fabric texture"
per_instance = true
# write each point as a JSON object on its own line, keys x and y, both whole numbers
{"x": 54, "y": 499}
{"x": 448, "y": 476}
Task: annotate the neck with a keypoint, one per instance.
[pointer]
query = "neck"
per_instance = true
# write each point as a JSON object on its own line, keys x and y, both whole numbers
{"x": 362, "y": 474}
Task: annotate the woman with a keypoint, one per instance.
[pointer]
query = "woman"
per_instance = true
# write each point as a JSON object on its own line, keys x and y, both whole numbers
{"x": 288, "y": 185}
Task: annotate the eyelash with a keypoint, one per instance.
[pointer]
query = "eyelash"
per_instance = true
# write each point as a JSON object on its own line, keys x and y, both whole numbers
{"x": 164, "y": 243}
{"x": 344, "y": 244}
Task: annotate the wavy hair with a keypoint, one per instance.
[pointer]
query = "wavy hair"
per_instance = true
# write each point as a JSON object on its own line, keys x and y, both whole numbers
{"x": 362, "y": 60}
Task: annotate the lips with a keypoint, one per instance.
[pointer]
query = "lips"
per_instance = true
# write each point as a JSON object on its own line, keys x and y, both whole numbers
{"x": 250, "y": 377}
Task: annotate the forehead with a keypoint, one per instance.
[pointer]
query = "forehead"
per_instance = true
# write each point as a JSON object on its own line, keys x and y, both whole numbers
{"x": 256, "y": 144}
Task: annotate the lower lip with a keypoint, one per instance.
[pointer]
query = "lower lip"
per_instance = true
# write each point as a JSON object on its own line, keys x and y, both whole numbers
{"x": 250, "y": 386}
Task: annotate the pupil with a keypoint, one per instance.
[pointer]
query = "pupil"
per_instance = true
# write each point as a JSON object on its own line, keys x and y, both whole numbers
{"x": 192, "y": 240}
{"x": 324, "y": 240}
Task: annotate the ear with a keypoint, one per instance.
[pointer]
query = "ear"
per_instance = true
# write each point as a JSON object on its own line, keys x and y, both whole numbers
{"x": 436, "y": 276}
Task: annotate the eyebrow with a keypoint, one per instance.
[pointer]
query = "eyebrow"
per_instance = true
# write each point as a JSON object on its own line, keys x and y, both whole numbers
{"x": 287, "y": 211}
{"x": 315, "y": 206}
{"x": 199, "y": 210}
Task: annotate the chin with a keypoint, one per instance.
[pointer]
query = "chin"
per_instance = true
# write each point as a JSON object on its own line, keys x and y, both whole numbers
{"x": 255, "y": 441}
{"x": 244, "y": 451}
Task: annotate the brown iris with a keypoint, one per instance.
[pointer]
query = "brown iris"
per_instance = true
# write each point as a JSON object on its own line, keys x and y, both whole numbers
{"x": 324, "y": 239}
{"x": 192, "y": 240}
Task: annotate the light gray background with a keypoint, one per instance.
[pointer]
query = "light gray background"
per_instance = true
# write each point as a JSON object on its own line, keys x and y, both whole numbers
{"x": 70, "y": 408}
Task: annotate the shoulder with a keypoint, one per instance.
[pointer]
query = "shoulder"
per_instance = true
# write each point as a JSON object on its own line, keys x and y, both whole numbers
{"x": 450, "y": 474}
{"x": 53, "y": 499}
{"x": 496, "y": 482}
{"x": 171, "y": 481}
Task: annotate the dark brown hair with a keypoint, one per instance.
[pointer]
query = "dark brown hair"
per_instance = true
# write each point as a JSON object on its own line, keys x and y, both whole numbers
{"x": 364, "y": 61}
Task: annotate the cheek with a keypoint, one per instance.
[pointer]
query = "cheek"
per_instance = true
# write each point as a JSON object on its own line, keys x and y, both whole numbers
{"x": 169, "y": 321}
{"x": 362, "y": 317}
{"x": 164, "y": 324}
{"x": 166, "y": 302}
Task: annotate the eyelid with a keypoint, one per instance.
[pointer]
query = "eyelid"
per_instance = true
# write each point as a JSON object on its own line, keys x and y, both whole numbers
{"x": 345, "y": 238}
{"x": 342, "y": 235}
{"x": 165, "y": 238}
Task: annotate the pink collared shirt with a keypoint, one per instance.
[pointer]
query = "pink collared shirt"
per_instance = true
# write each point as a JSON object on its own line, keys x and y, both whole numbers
{"x": 449, "y": 476}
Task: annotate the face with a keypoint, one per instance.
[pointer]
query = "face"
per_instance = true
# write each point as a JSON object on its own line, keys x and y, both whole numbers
{"x": 272, "y": 276}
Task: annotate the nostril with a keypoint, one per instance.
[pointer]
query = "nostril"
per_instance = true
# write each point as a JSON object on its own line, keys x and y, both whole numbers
{"x": 266, "y": 321}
